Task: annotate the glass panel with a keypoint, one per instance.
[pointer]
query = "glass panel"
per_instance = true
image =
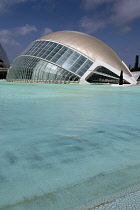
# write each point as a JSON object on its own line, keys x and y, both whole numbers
{"x": 27, "y": 49}
{"x": 64, "y": 57}
{"x": 43, "y": 48}
{"x": 84, "y": 67}
{"x": 39, "y": 49}
{"x": 34, "y": 69}
{"x": 55, "y": 58}
{"x": 59, "y": 54}
{"x": 70, "y": 60}
{"x": 78, "y": 64}
{"x": 34, "y": 48}
{"x": 54, "y": 51}
{"x": 59, "y": 73}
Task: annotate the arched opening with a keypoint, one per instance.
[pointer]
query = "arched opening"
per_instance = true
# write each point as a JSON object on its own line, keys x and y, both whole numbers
{"x": 103, "y": 75}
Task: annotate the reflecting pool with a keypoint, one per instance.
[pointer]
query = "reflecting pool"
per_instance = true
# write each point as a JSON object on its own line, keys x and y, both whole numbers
{"x": 62, "y": 146}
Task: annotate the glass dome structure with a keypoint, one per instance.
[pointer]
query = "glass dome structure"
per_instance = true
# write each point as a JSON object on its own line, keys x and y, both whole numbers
{"x": 68, "y": 57}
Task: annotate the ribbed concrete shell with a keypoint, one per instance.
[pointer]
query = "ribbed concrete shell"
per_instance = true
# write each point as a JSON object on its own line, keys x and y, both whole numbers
{"x": 89, "y": 46}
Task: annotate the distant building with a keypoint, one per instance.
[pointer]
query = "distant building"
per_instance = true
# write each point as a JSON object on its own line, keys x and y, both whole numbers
{"x": 68, "y": 57}
{"x": 4, "y": 63}
{"x": 136, "y": 62}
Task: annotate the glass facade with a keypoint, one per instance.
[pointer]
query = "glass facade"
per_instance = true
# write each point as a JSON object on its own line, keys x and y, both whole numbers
{"x": 36, "y": 70}
{"x": 48, "y": 61}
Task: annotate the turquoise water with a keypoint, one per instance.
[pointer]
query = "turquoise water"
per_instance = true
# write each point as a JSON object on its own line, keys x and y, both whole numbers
{"x": 64, "y": 145}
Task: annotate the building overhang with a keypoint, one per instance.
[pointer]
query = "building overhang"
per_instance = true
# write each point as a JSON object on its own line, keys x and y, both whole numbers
{"x": 136, "y": 74}
{"x": 98, "y": 63}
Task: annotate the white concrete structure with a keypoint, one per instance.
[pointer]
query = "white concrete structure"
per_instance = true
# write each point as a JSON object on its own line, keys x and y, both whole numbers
{"x": 4, "y": 62}
{"x": 69, "y": 56}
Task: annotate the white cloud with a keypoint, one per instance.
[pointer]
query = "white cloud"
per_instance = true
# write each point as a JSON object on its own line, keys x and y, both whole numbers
{"x": 10, "y": 36}
{"x": 110, "y": 12}
{"x": 24, "y": 30}
{"x": 125, "y": 11}
{"x": 93, "y": 4}
{"x": 47, "y": 30}
{"x": 5, "y": 4}
{"x": 7, "y": 38}
{"x": 91, "y": 26}
{"x": 125, "y": 30}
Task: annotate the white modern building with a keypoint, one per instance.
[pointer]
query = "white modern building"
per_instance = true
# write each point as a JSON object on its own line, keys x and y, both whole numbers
{"x": 4, "y": 63}
{"x": 68, "y": 57}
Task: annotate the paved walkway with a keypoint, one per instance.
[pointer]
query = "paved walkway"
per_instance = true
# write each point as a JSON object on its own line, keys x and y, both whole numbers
{"x": 128, "y": 202}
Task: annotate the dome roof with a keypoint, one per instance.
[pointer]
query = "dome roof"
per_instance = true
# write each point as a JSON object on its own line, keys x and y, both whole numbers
{"x": 89, "y": 46}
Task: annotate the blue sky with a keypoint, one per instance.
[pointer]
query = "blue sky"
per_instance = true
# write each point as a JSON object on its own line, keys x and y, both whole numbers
{"x": 115, "y": 22}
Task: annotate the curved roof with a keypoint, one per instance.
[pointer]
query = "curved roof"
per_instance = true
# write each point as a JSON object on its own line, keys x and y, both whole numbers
{"x": 89, "y": 46}
{"x": 3, "y": 57}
